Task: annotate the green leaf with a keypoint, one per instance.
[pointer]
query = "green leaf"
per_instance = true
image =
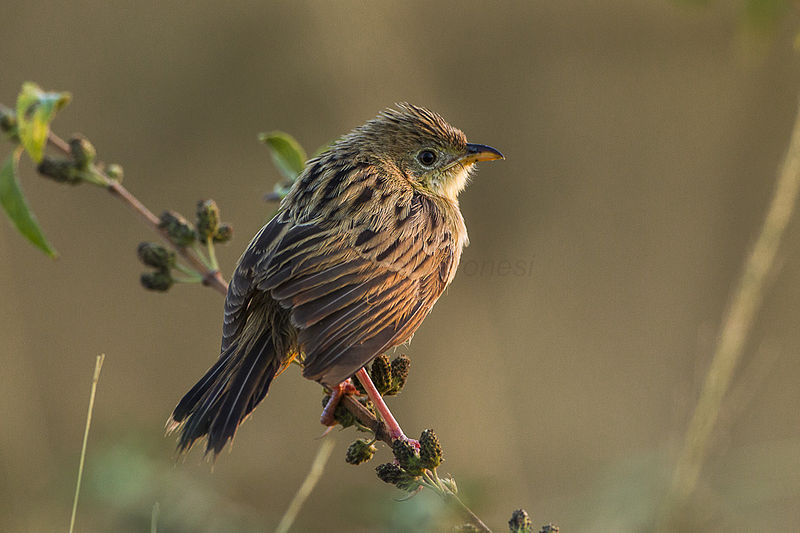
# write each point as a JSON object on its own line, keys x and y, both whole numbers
{"x": 35, "y": 110}
{"x": 287, "y": 154}
{"x": 15, "y": 206}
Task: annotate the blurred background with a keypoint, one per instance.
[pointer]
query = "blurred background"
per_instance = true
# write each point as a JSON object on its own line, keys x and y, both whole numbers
{"x": 642, "y": 142}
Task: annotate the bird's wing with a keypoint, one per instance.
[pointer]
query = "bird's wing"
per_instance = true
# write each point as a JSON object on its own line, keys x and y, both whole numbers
{"x": 354, "y": 293}
{"x": 241, "y": 287}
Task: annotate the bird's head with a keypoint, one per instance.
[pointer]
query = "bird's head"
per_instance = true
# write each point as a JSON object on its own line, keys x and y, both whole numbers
{"x": 422, "y": 147}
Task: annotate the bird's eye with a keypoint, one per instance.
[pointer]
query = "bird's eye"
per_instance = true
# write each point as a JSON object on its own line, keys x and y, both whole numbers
{"x": 426, "y": 157}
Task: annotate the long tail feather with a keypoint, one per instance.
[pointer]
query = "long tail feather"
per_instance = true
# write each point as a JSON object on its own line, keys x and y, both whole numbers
{"x": 226, "y": 395}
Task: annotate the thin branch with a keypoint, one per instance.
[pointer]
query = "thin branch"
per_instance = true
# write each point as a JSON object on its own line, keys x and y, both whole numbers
{"x": 744, "y": 304}
{"x": 211, "y": 278}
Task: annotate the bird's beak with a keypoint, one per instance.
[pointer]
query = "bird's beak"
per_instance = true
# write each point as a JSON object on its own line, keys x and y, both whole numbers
{"x": 480, "y": 152}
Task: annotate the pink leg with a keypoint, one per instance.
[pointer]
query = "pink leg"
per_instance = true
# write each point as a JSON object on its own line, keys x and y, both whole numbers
{"x": 345, "y": 387}
{"x": 394, "y": 428}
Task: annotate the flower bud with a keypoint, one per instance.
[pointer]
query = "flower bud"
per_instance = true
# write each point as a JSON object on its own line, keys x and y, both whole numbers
{"x": 115, "y": 172}
{"x": 83, "y": 153}
{"x": 389, "y": 473}
{"x": 400, "y": 367}
{"x": 520, "y": 522}
{"x": 59, "y": 170}
{"x": 360, "y": 451}
{"x": 407, "y": 456}
{"x": 549, "y": 528}
{"x": 430, "y": 451}
{"x": 157, "y": 281}
{"x": 178, "y": 228}
{"x": 154, "y": 255}
{"x": 381, "y": 373}
{"x": 224, "y": 233}
{"x": 207, "y": 219}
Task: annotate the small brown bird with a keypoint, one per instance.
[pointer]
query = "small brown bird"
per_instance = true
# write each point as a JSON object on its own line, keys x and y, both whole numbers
{"x": 361, "y": 248}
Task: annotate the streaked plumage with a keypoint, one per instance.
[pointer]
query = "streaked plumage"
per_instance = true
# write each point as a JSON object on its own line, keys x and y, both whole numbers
{"x": 359, "y": 251}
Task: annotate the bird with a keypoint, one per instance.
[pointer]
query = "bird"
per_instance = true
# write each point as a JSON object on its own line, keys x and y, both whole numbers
{"x": 360, "y": 249}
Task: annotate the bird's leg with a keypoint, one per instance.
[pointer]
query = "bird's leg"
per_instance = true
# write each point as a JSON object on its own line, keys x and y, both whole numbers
{"x": 345, "y": 387}
{"x": 394, "y": 428}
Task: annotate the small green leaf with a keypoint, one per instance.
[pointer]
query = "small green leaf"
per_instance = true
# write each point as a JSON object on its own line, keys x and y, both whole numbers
{"x": 35, "y": 110}
{"x": 287, "y": 154}
{"x": 15, "y": 206}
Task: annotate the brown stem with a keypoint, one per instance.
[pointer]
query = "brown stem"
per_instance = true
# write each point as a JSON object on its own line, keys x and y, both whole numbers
{"x": 211, "y": 278}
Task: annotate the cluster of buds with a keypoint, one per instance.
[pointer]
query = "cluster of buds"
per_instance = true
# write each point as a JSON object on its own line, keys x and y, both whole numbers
{"x": 80, "y": 166}
{"x": 207, "y": 227}
{"x": 413, "y": 467}
{"x": 388, "y": 376}
{"x": 162, "y": 260}
{"x": 520, "y": 522}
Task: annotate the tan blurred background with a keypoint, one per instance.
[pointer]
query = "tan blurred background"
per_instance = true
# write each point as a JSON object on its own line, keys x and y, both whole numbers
{"x": 642, "y": 141}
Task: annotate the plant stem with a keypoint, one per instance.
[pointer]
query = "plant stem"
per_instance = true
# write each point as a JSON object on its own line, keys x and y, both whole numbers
{"x": 323, "y": 454}
{"x": 95, "y": 378}
{"x": 739, "y": 318}
{"x": 212, "y": 254}
{"x": 211, "y": 277}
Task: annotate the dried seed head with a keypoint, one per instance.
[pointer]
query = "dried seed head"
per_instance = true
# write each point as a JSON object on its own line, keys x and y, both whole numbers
{"x": 430, "y": 451}
{"x": 360, "y": 451}
{"x": 520, "y": 522}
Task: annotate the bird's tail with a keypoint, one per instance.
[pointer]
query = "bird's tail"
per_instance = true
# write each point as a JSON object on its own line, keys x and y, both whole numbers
{"x": 226, "y": 395}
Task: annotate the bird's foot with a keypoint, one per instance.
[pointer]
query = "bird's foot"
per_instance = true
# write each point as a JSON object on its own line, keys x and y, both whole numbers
{"x": 327, "y": 416}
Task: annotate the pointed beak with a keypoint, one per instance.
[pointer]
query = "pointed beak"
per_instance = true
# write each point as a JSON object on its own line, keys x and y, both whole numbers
{"x": 480, "y": 152}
